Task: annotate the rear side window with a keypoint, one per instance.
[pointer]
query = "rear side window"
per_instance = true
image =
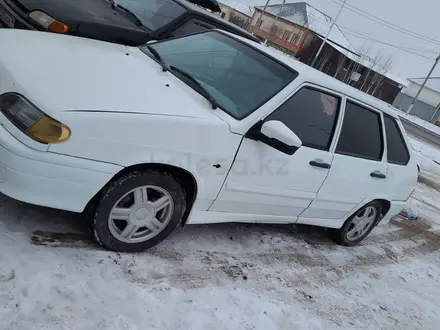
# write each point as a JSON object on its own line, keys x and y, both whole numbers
{"x": 361, "y": 134}
{"x": 312, "y": 115}
{"x": 397, "y": 149}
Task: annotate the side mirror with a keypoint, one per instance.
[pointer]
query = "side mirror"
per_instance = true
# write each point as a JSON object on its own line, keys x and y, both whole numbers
{"x": 275, "y": 129}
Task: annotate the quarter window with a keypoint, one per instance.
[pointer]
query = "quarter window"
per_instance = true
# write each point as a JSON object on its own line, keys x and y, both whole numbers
{"x": 361, "y": 134}
{"x": 312, "y": 115}
{"x": 396, "y": 146}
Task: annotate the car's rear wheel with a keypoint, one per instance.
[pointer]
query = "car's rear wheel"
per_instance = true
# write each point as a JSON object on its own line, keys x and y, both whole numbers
{"x": 138, "y": 211}
{"x": 358, "y": 226}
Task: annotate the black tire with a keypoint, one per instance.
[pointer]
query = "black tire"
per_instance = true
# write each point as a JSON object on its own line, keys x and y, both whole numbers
{"x": 121, "y": 186}
{"x": 340, "y": 235}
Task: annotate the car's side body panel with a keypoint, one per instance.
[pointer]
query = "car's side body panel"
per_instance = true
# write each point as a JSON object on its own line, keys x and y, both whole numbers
{"x": 193, "y": 144}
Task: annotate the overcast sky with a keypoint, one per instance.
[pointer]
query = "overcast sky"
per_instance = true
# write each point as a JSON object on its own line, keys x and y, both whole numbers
{"x": 420, "y": 16}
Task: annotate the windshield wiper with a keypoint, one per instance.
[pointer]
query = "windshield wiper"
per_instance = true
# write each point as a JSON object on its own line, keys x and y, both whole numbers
{"x": 136, "y": 18}
{"x": 158, "y": 58}
{"x": 202, "y": 89}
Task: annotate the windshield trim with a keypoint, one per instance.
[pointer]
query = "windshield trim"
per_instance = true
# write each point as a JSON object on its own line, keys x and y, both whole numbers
{"x": 246, "y": 44}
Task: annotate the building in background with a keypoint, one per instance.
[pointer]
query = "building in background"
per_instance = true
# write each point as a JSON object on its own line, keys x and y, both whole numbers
{"x": 287, "y": 28}
{"x": 427, "y": 104}
{"x": 236, "y": 12}
{"x": 298, "y": 29}
{"x": 370, "y": 73}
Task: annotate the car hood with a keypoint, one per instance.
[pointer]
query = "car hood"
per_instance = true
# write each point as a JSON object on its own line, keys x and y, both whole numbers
{"x": 62, "y": 73}
{"x": 92, "y": 19}
{"x": 99, "y": 11}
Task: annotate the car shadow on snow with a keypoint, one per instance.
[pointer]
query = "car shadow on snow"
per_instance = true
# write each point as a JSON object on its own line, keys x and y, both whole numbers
{"x": 56, "y": 228}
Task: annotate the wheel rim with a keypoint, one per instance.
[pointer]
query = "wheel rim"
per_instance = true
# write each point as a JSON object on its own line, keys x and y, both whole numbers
{"x": 361, "y": 223}
{"x": 141, "y": 214}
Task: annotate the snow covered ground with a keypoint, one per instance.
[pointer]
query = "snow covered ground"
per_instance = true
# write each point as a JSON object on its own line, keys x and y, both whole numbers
{"x": 53, "y": 276}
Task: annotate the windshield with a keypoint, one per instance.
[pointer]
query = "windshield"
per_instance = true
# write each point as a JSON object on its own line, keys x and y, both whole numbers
{"x": 154, "y": 14}
{"x": 238, "y": 77}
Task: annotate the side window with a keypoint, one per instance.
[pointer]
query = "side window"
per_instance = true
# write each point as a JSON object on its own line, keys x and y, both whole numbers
{"x": 312, "y": 115}
{"x": 397, "y": 149}
{"x": 191, "y": 26}
{"x": 361, "y": 134}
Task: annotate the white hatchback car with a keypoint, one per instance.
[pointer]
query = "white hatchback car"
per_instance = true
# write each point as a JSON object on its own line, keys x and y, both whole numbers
{"x": 205, "y": 128}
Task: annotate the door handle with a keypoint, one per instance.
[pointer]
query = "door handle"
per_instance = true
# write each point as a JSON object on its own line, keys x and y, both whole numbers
{"x": 378, "y": 175}
{"x": 319, "y": 164}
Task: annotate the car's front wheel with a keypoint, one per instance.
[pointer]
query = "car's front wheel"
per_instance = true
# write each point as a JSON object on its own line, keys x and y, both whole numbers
{"x": 138, "y": 211}
{"x": 359, "y": 225}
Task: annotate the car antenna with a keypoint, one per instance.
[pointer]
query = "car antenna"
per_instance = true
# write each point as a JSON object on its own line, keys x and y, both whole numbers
{"x": 112, "y": 3}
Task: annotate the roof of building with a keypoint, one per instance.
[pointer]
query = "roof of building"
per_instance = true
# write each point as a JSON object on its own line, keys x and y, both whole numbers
{"x": 317, "y": 77}
{"x": 239, "y": 6}
{"x": 310, "y": 17}
{"x": 432, "y": 83}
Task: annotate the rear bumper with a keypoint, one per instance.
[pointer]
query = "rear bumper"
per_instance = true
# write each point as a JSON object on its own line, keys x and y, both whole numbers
{"x": 48, "y": 179}
{"x": 395, "y": 209}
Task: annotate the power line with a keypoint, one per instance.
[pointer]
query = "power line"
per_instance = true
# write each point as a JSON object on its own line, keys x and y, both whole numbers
{"x": 386, "y": 43}
{"x": 398, "y": 45}
{"x": 362, "y": 35}
{"x": 388, "y": 24}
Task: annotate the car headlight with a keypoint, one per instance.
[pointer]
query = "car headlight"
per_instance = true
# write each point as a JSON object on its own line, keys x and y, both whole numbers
{"x": 48, "y": 22}
{"x": 31, "y": 120}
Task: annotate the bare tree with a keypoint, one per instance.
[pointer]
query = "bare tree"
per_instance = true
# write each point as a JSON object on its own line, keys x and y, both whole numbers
{"x": 355, "y": 67}
{"x": 341, "y": 65}
{"x": 381, "y": 65}
{"x": 386, "y": 67}
{"x": 374, "y": 66}
{"x": 323, "y": 59}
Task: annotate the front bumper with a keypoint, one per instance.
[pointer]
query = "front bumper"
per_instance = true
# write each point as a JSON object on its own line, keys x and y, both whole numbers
{"x": 395, "y": 209}
{"x": 49, "y": 179}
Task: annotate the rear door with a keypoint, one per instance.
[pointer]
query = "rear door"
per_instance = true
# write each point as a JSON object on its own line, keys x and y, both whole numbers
{"x": 402, "y": 173}
{"x": 358, "y": 171}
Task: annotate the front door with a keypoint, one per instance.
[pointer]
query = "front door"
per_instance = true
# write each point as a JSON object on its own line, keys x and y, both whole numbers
{"x": 266, "y": 182}
{"x": 358, "y": 172}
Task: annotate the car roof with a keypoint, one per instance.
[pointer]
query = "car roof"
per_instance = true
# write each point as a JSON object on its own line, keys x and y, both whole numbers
{"x": 200, "y": 11}
{"x": 309, "y": 74}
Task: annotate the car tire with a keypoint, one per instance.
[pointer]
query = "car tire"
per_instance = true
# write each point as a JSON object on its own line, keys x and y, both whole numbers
{"x": 358, "y": 226}
{"x": 138, "y": 211}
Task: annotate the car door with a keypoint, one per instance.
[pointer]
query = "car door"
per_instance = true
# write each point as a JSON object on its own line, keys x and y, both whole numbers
{"x": 358, "y": 171}
{"x": 264, "y": 181}
{"x": 402, "y": 173}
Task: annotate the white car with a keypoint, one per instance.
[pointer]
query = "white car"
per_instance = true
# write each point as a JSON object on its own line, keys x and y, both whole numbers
{"x": 205, "y": 128}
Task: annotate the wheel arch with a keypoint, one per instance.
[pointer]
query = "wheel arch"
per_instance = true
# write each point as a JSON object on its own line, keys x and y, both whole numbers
{"x": 183, "y": 176}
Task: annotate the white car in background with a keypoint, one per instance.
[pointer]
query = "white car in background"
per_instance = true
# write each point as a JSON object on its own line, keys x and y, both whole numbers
{"x": 205, "y": 128}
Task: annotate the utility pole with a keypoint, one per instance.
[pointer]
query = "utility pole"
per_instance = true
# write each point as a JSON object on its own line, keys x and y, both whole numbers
{"x": 423, "y": 85}
{"x": 264, "y": 10}
{"x": 261, "y": 17}
{"x": 328, "y": 33}
{"x": 276, "y": 17}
